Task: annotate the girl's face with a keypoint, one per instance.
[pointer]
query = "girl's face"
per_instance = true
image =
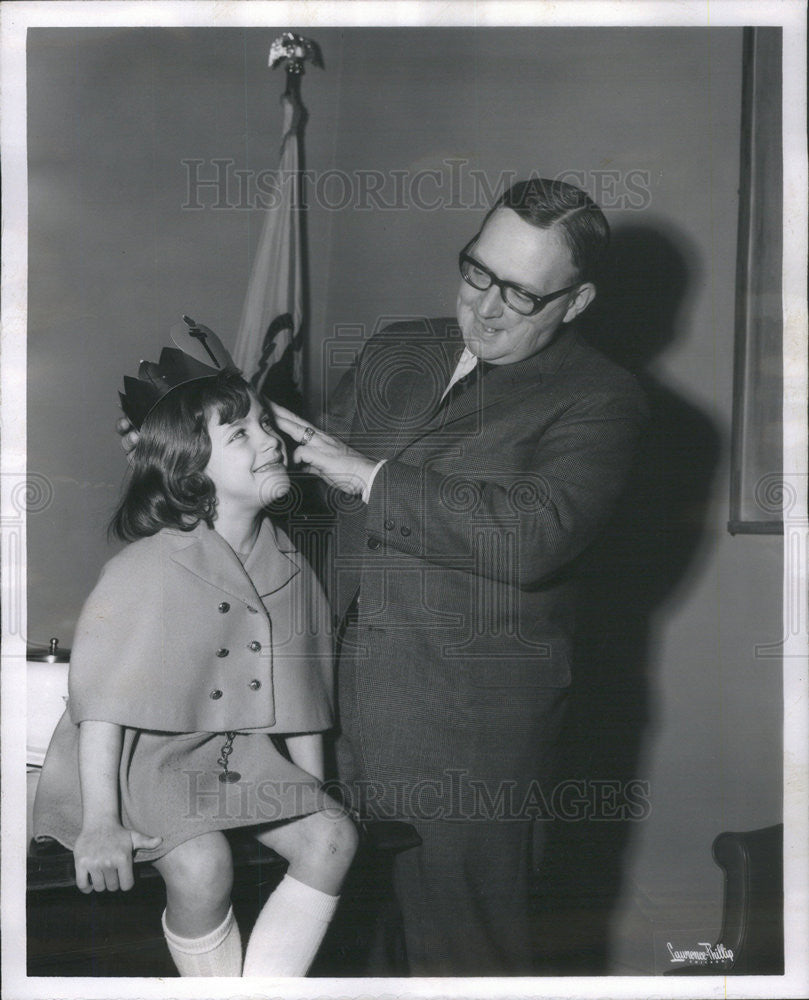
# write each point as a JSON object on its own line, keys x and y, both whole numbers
{"x": 247, "y": 463}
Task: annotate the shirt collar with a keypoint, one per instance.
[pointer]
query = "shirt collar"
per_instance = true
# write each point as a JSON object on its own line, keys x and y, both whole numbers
{"x": 544, "y": 362}
{"x": 466, "y": 362}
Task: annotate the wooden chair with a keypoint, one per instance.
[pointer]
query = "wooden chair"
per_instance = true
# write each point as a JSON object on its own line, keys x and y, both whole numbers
{"x": 753, "y": 911}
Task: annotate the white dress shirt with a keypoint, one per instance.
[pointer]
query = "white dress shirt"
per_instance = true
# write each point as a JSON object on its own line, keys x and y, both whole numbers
{"x": 466, "y": 362}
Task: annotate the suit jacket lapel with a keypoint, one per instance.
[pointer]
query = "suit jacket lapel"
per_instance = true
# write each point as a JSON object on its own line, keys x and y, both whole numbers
{"x": 500, "y": 382}
{"x": 421, "y": 407}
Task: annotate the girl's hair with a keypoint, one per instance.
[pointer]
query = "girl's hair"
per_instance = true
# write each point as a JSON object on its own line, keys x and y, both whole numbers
{"x": 167, "y": 486}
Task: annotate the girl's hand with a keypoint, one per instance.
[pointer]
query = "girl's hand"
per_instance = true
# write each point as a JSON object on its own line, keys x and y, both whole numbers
{"x": 103, "y": 856}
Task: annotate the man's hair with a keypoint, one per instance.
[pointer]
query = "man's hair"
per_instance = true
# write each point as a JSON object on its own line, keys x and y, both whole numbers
{"x": 545, "y": 203}
{"x": 167, "y": 486}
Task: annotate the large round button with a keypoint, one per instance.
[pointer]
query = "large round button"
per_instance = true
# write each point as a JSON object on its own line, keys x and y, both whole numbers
{"x": 374, "y": 543}
{"x": 389, "y": 525}
{"x": 224, "y": 607}
{"x": 404, "y": 530}
{"x": 254, "y": 685}
{"x": 216, "y": 694}
{"x": 222, "y": 652}
{"x": 255, "y": 645}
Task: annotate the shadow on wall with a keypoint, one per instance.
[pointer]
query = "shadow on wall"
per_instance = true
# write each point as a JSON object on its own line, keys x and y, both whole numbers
{"x": 649, "y": 551}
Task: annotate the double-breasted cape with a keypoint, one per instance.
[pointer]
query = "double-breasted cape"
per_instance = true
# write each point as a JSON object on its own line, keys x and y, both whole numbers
{"x": 179, "y": 644}
{"x": 178, "y": 636}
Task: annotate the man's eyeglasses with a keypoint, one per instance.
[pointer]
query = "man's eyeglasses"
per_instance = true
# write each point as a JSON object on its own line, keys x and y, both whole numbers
{"x": 515, "y": 296}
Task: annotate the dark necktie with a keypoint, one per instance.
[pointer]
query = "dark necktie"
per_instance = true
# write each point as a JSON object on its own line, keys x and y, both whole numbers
{"x": 466, "y": 384}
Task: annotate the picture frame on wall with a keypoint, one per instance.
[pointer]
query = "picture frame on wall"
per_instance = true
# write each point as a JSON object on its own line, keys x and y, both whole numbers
{"x": 758, "y": 492}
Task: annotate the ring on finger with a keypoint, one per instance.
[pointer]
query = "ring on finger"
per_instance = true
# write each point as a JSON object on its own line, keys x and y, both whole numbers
{"x": 308, "y": 434}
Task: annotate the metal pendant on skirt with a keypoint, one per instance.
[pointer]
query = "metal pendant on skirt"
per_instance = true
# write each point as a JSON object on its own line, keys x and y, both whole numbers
{"x": 227, "y": 776}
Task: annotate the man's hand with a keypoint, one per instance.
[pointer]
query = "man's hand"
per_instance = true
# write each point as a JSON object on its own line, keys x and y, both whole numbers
{"x": 323, "y": 455}
{"x": 129, "y": 436}
{"x": 103, "y": 856}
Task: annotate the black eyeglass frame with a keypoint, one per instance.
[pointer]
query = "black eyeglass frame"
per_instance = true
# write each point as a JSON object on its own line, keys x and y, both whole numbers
{"x": 540, "y": 301}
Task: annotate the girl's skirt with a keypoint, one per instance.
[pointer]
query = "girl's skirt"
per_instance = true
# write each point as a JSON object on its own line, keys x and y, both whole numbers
{"x": 171, "y": 787}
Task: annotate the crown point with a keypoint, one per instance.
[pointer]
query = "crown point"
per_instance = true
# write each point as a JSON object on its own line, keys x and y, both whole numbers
{"x": 188, "y": 361}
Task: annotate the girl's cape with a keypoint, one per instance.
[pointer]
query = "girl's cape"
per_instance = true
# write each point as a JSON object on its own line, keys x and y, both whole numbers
{"x": 177, "y": 636}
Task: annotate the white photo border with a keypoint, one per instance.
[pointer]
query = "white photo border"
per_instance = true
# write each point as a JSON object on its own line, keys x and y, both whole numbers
{"x": 16, "y": 18}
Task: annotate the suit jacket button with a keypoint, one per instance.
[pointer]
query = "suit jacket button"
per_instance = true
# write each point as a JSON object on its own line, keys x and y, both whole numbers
{"x": 222, "y": 652}
{"x": 404, "y": 530}
{"x": 216, "y": 694}
{"x": 389, "y": 525}
{"x": 374, "y": 543}
{"x": 254, "y": 685}
{"x": 255, "y": 645}
{"x": 224, "y": 607}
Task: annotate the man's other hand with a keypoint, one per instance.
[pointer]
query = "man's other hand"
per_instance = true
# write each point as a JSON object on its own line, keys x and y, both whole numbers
{"x": 129, "y": 436}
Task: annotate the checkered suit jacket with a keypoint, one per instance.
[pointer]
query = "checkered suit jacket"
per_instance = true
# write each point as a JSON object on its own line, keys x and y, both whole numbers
{"x": 463, "y": 558}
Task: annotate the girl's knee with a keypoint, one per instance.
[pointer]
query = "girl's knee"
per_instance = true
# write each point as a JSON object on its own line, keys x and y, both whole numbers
{"x": 334, "y": 837}
{"x": 199, "y": 872}
{"x": 319, "y": 847}
{"x": 346, "y": 834}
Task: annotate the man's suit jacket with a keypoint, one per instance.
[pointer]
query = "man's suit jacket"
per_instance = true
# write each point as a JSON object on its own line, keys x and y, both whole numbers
{"x": 461, "y": 655}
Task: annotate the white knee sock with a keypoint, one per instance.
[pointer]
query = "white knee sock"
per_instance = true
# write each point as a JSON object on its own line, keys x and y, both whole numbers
{"x": 218, "y": 953}
{"x": 289, "y": 930}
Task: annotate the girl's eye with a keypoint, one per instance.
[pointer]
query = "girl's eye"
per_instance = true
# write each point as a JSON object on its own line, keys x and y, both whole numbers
{"x": 238, "y": 433}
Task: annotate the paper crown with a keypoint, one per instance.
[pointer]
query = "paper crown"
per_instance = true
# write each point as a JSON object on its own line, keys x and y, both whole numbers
{"x": 199, "y": 354}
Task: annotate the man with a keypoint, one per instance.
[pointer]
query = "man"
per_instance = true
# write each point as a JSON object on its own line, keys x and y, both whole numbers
{"x": 473, "y": 463}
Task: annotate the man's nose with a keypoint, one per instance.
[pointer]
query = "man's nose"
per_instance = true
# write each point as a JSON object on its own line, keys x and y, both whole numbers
{"x": 490, "y": 302}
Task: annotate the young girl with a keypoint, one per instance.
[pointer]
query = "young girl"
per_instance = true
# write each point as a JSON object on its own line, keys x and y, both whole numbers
{"x": 201, "y": 639}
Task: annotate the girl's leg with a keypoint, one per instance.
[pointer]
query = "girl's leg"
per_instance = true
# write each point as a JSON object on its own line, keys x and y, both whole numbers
{"x": 290, "y": 927}
{"x": 319, "y": 847}
{"x": 201, "y": 932}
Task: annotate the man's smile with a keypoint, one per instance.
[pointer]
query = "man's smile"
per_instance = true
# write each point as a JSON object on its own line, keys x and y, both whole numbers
{"x": 485, "y": 327}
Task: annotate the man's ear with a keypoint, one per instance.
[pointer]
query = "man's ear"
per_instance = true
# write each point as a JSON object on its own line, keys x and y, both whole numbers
{"x": 584, "y": 296}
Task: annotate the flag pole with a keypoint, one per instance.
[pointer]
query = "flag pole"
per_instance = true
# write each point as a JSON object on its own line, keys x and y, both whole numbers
{"x": 269, "y": 348}
{"x": 293, "y": 52}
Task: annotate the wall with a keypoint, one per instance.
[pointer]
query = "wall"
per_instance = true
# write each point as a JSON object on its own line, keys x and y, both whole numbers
{"x": 679, "y": 697}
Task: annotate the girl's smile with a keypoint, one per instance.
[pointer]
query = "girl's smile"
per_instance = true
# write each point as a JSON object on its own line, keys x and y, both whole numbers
{"x": 247, "y": 463}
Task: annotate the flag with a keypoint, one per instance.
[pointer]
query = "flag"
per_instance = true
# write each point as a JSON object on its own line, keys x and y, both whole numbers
{"x": 268, "y": 343}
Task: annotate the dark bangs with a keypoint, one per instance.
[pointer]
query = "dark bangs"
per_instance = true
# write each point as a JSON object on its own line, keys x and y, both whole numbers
{"x": 167, "y": 486}
{"x": 227, "y": 395}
